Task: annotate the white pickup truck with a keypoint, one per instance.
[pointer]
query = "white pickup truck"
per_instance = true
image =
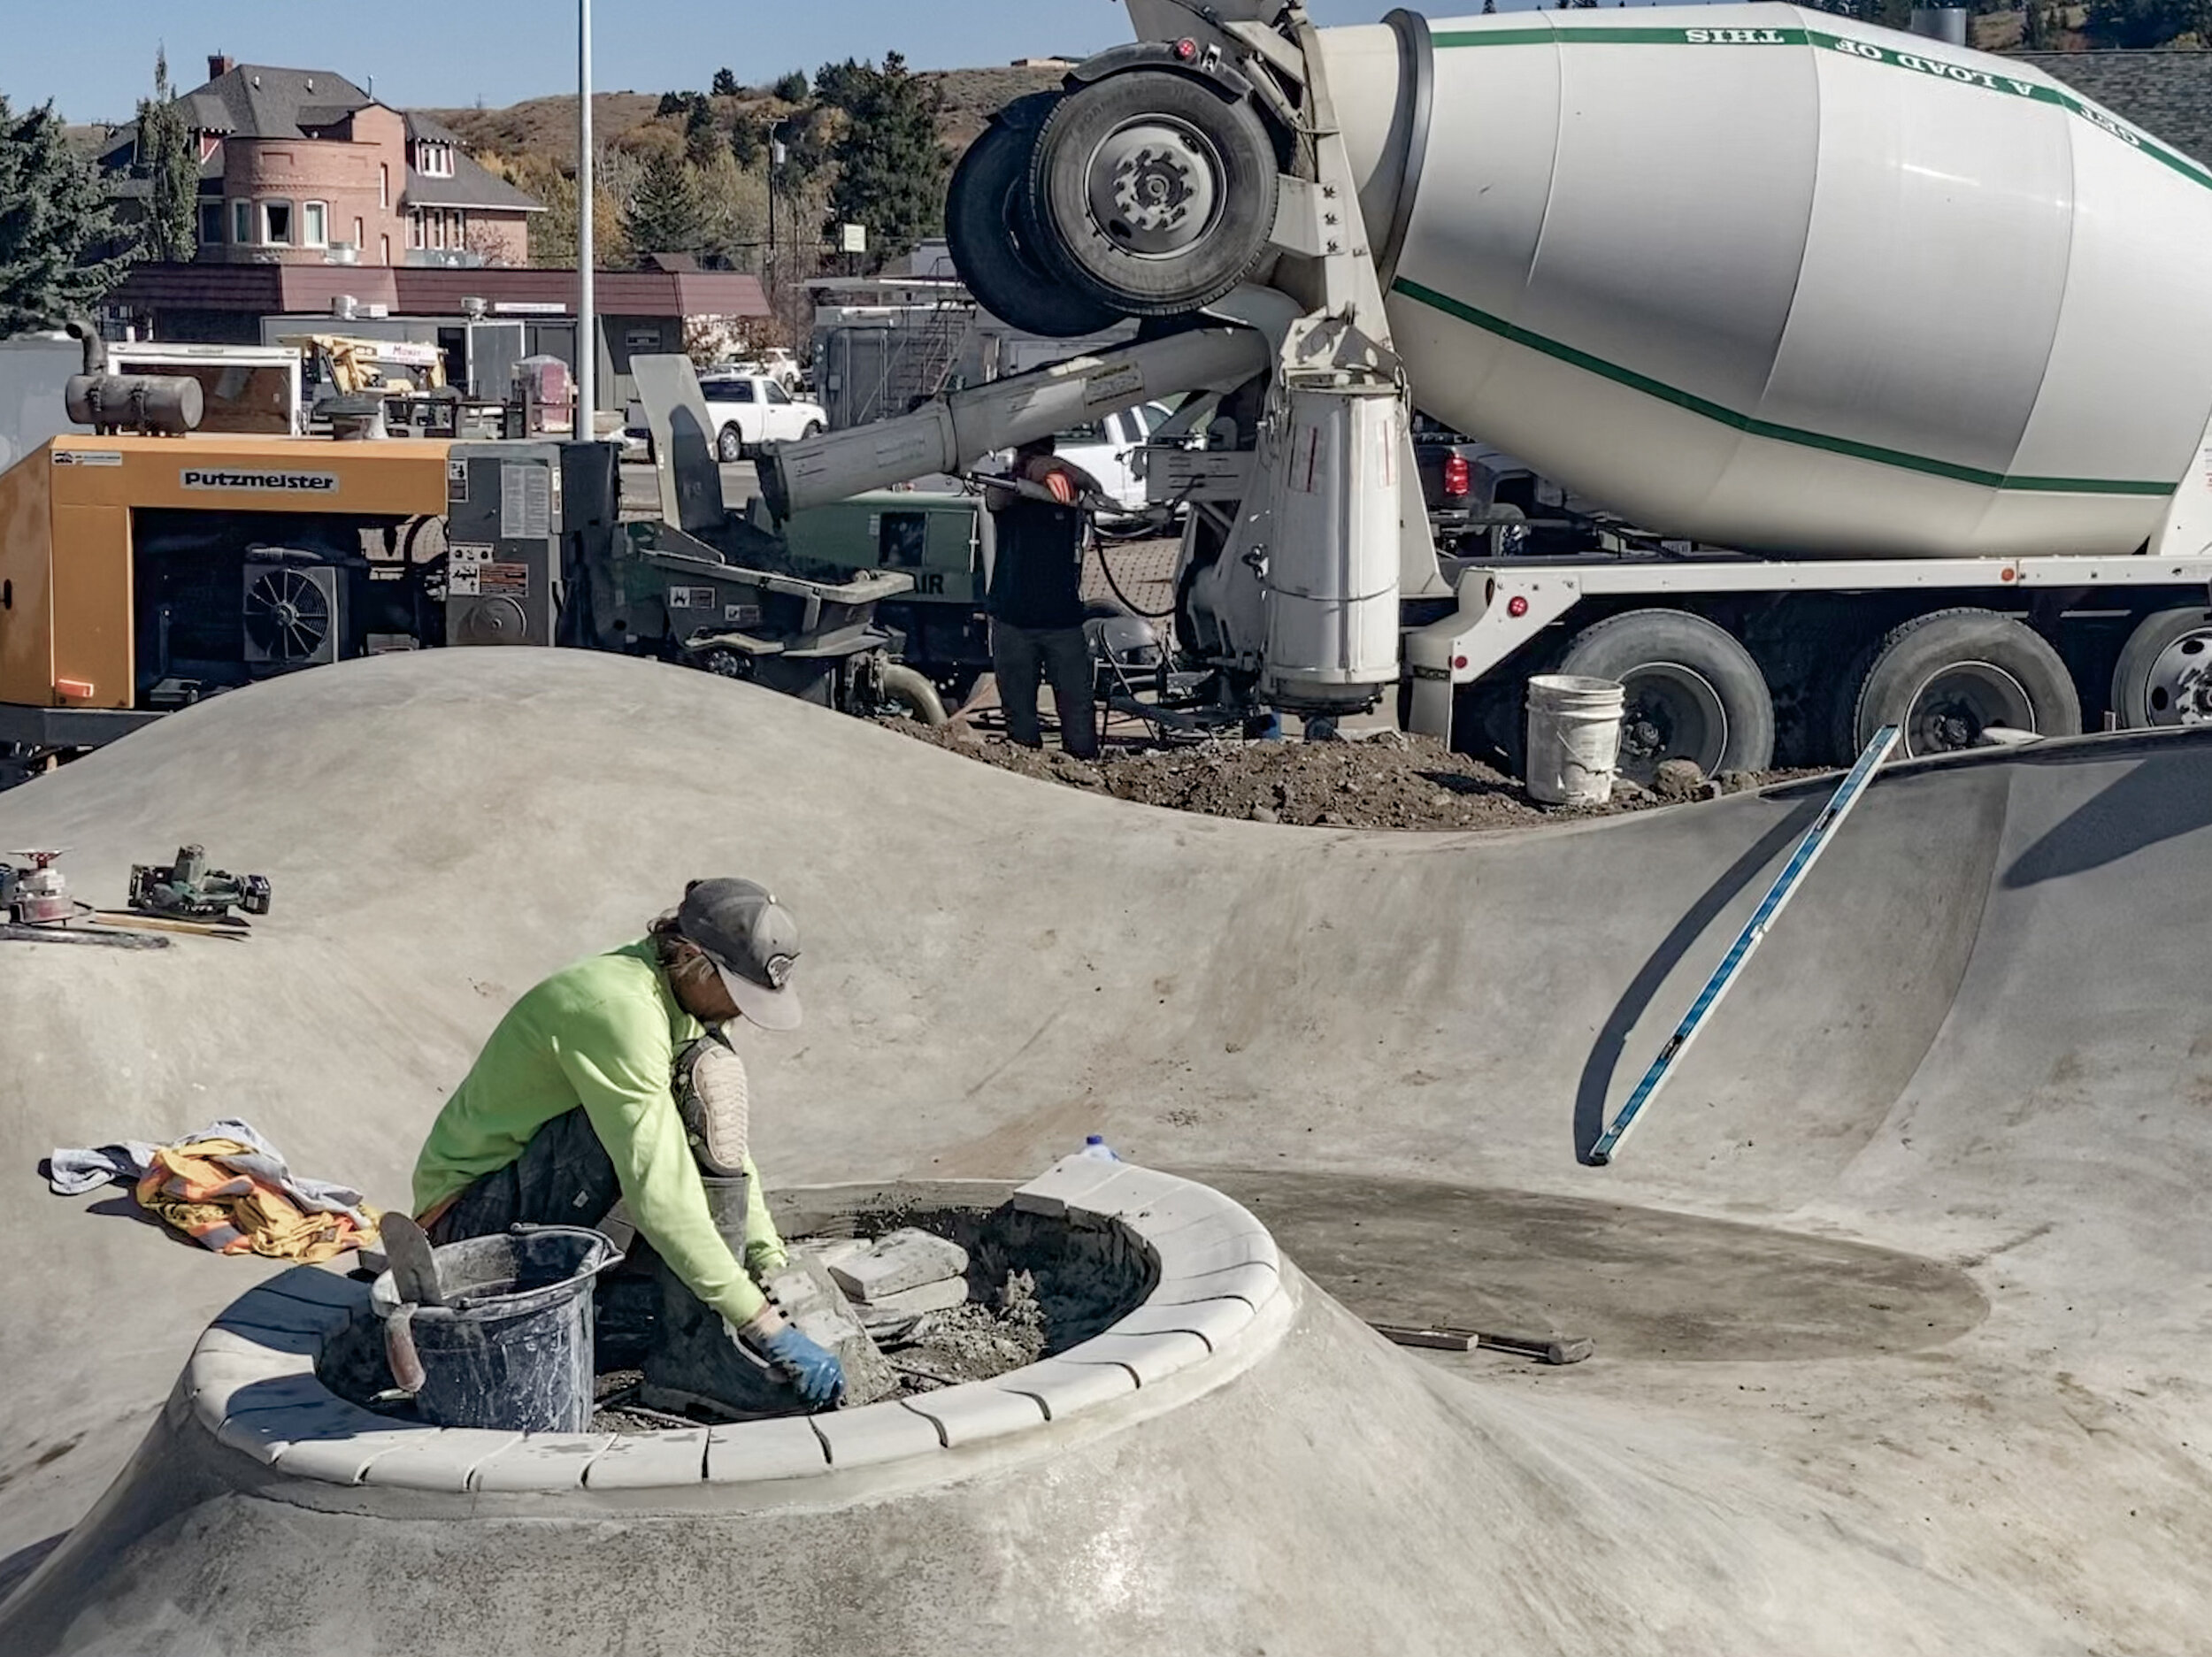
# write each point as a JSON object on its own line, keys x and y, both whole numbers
{"x": 745, "y": 410}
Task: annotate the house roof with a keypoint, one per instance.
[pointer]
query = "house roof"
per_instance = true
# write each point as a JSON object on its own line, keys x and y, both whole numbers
{"x": 261, "y": 101}
{"x": 422, "y": 128}
{"x": 270, "y": 289}
{"x": 472, "y": 186}
{"x": 2169, "y": 95}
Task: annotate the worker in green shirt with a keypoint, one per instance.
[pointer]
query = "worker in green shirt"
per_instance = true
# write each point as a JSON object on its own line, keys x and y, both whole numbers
{"x": 603, "y": 1082}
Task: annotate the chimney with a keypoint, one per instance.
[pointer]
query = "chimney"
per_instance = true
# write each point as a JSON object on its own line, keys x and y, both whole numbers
{"x": 218, "y": 65}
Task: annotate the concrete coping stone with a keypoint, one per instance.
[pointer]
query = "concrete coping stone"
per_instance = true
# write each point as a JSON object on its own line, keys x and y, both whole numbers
{"x": 252, "y": 1382}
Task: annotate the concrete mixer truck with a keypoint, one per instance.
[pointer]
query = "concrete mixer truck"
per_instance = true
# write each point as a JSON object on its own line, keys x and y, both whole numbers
{"x": 1888, "y": 359}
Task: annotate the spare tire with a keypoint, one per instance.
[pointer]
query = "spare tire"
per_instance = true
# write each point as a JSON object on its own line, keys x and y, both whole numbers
{"x": 1944, "y": 677}
{"x": 983, "y": 227}
{"x": 1692, "y": 692}
{"x": 1151, "y": 193}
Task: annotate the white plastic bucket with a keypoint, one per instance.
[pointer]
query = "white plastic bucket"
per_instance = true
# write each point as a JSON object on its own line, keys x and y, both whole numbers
{"x": 1574, "y": 739}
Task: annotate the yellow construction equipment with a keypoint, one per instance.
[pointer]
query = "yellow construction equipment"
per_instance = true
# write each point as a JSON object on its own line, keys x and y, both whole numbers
{"x": 138, "y": 574}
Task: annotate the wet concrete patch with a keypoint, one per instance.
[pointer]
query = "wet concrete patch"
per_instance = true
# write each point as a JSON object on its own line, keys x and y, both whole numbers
{"x": 1643, "y": 1282}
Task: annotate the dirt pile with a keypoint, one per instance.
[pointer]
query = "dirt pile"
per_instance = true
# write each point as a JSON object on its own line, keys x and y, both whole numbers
{"x": 1389, "y": 781}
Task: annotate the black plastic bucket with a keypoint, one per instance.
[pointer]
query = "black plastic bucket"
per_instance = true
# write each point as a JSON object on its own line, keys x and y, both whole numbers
{"x": 511, "y": 1348}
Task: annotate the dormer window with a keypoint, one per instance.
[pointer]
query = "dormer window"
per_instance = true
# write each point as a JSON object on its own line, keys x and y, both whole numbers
{"x": 433, "y": 161}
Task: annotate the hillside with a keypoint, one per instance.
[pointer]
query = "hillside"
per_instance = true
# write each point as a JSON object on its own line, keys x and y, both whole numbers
{"x": 546, "y": 127}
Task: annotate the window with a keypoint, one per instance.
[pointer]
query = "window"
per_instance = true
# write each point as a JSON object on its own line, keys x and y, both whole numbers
{"x": 384, "y": 187}
{"x": 437, "y": 228}
{"x": 774, "y": 391}
{"x": 433, "y": 161}
{"x": 414, "y": 229}
{"x": 212, "y": 222}
{"x": 242, "y": 222}
{"x": 314, "y": 225}
{"x": 360, "y": 235}
{"x": 384, "y": 249}
{"x": 276, "y": 223}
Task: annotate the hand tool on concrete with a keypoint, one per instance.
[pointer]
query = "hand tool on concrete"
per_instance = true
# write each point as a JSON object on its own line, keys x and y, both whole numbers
{"x": 1785, "y": 887}
{"x": 189, "y": 889}
{"x": 125, "y": 921}
{"x": 11, "y": 933}
{"x": 38, "y": 895}
{"x": 415, "y": 1276}
{"x": 1543, "y": 1348}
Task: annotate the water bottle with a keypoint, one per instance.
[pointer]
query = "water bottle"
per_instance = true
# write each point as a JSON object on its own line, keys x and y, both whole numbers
{"x": 1097, "y": 1150}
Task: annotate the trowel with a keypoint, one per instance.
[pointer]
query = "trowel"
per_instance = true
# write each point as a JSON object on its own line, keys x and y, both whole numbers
{"x": 415, "y": 1277}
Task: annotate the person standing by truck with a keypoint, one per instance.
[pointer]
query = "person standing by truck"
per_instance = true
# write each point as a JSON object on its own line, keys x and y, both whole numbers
{"x": 1036, "y": 597}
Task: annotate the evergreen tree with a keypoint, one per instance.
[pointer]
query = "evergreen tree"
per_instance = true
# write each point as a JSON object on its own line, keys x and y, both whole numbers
{"x": 702, "y": 138}
{"x": 2034, "y": 36}
{"x": 890, "y": 166}
{"x": 2143, "y": 24}
{"x": 672, "y": 103}
{"x": 54, "y": 216}
{"x": 170, "y": 163}
{"x": 749, "y": 144}
{"x": 1490, "y": 8}
{"x": 666, "y": 215}
{"x": 793, "y": 87}
{"x": 724, "y": 84}
{"x": 839, "y": 86}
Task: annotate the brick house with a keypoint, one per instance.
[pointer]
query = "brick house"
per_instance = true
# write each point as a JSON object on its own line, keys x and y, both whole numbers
{"x": 300, "y": 166}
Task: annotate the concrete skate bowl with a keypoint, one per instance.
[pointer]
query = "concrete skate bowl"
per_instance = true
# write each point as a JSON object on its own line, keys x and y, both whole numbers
{"x": 1962, "y": 1093}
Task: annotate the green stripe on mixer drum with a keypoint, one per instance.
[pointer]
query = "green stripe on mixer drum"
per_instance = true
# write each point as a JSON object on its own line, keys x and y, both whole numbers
{"x": 1866, "y": 52}
{"x": 1752, "y": 426}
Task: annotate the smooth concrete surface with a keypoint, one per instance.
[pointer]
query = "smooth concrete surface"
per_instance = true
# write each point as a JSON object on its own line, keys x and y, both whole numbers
{"x": 1966, "y": 1085}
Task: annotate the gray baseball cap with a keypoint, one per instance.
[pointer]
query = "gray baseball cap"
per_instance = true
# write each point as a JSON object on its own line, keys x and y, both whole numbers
{"x": 753, "y": 942}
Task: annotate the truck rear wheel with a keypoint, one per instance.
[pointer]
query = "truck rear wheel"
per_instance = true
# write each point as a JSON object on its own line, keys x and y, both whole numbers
{"x": 1151, "y": 194}
{"x": 2164, "y": 675}
{"x": 983, "y": 225}
{"x": 1947, "y": 677}
{"x": 1692, "y": 692}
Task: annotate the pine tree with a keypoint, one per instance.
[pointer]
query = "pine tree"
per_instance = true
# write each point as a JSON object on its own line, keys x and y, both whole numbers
{"x": 1490, "y": 8}
{"x": 2033, "y": 36}
{"x": 724, "y": 84}
{"x": 54, "y": 216}
{"x": 793, "y": 89}
{"x": 169, "y": 162}
{"x": 890, "y": 166}
{"x": 702, "y": 138}
{"x": 749, "y": 144}
{"x": 665, "y": 216}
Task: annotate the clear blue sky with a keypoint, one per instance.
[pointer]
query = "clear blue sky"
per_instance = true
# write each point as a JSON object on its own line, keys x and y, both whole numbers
{"x": 504, "y": 50}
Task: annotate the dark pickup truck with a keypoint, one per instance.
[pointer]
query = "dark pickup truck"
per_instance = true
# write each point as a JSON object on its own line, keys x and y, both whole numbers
{"x": 1485, "y": 505}
{"x": 1458, "y": 486}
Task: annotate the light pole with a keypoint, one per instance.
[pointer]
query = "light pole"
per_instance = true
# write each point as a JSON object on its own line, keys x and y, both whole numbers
{"x": 777, "y": 152}
{"x": 587, "y": 426}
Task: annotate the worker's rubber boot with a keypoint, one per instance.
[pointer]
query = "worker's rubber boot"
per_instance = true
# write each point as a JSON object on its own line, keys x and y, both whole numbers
{"x": 697, "y": 1362}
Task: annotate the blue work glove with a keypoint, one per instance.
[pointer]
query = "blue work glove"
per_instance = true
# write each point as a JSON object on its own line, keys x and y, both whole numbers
{"x": 807, "y": 1365}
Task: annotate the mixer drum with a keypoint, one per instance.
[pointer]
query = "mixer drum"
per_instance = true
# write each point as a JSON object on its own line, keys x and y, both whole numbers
{"x": 1773, "y": 279}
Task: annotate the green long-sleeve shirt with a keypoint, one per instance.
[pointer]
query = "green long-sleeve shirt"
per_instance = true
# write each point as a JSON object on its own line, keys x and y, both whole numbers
{"x": 603, "y": 1034}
